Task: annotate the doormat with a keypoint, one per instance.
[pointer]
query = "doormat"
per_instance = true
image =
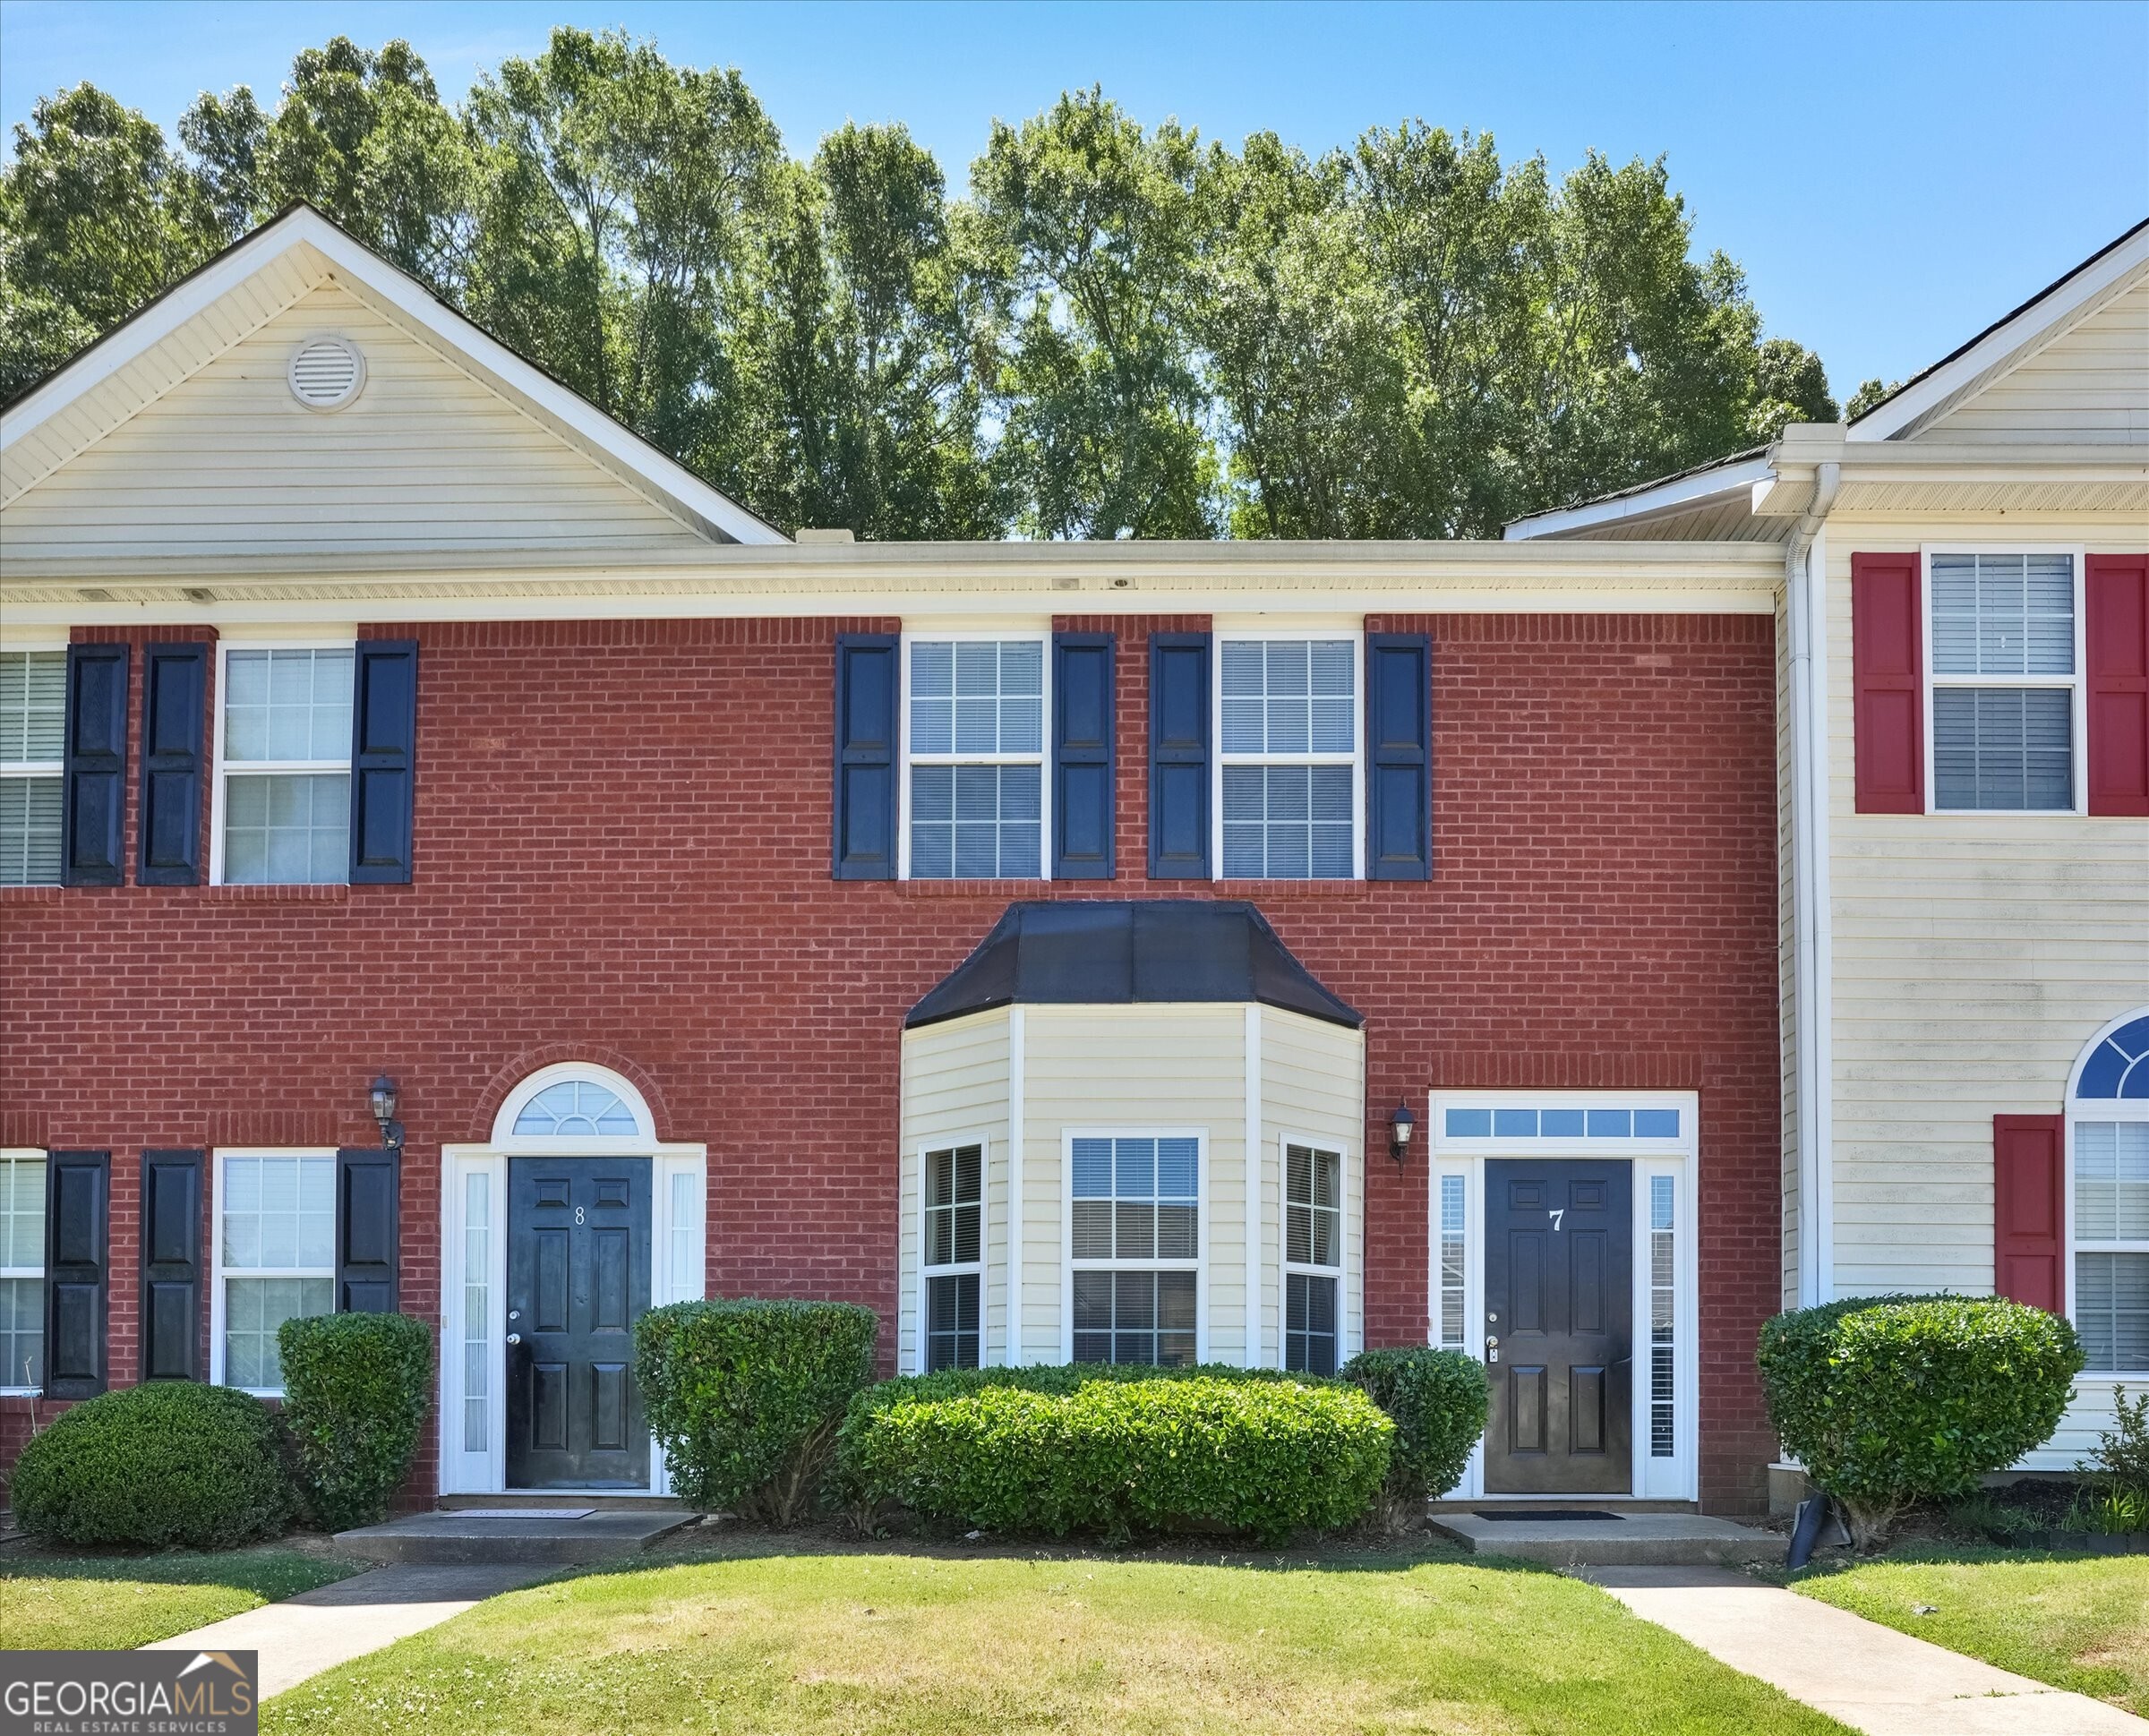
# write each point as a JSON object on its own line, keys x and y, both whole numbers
{"x": 1552, "y": 1515}
{"x": 518, "y": 1512}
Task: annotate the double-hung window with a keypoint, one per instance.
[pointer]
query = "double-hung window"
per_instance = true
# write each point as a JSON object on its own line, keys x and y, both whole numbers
{"x": 21, "y": 1270}
{"x": 284, "y": 764}
{"x": 2006, "y": 681}
{"x": 1313, "y": 1256}
{"x": 1288, "y": 758}
{"x": 974, "y": 750}
{"x": 2111, "y": 1244}
{"x": 954, "y": 1210}
{"x": 276, "y": 1257}
{"x": 33, "y": 711}
{"x": 1136, "y": 1248}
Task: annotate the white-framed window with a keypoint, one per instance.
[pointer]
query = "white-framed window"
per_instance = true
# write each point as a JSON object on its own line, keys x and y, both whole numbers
{"x": 275, "y": 1259}
{"x": 33, "y": 729}
{"x": 1289, "y": 782}
{"x": 1313, "y": 1257}
{"x": 2004, "y": 697}
{"x": 1134, "y": 1247}
{"x": 974, "y": 778}
{"x": 1664, "y": 1322}
{"x": 1450, "y": 1268}
{"x": 2108, "y": 1204}
{"x": 954, "y": 1230}
{"x": 283, "y": 786}
{"x": 22, "y": 1271}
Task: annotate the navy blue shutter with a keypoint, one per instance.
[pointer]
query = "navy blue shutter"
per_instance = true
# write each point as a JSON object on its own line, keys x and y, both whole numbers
{"x": 1084, "y": 756}
{"x": 367, "y": 1218}
{"x": 384, "y": 752}
{"x": 1178, "y": 757}
{"x": 171, "y": 1265}
{"x": 174, "y": 689}
{"x": 866, "y": 689}
{"x": 93, "y": 802}
{"x": 77, "y": 1195}
{"x": 1399, "y": 756}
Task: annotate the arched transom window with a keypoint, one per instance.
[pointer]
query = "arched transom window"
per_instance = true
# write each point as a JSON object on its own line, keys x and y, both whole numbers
{"x": 577, "y": 1103}
{"x": 2107, "y": 1114}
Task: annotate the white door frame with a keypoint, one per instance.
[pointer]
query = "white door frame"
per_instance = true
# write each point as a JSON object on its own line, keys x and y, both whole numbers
{"x": 1674, "y": 1478}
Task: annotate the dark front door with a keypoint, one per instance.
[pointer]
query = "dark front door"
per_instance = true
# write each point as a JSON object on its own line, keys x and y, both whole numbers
{"x": 1558, "y": 1326}
{"x": 578, "y": 1277}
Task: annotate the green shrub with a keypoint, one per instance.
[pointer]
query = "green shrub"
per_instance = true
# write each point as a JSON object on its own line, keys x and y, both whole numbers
{"x": 355, "y": 1388}
{"x": 746, "y": 1397}
{"x": 1889, "y": 1399}
{"x": 1118, "y": 1451}
{"x": 1437, "y": 1399}
{"x": 2122, "y": 1462}
{"x": 171, "y": 1464}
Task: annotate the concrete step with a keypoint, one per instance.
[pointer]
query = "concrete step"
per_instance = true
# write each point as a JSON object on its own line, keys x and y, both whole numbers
{"x": 1622, "y": 1539}
{"x": 543, "y": 1501}
{"x": 441, "y": 1539}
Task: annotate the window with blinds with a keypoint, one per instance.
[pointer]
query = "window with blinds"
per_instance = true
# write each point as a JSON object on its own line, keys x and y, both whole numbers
{"x": 954, "y": 1213}
{"x": 2004, "y": 679}
{"x": 33, "y": 708}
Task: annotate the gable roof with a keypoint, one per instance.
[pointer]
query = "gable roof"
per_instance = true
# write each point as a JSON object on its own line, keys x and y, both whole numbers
{"x": 253, "y": 279}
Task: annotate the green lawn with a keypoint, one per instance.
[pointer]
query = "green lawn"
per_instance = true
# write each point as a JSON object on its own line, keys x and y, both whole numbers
{"x": 868, "y": 1639}
{"x": 2076, "y": 1621}
{"x": 85, "y": 1603}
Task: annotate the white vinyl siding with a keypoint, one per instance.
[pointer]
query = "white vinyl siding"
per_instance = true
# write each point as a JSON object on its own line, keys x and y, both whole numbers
{"x": 1287, "y": 759}
{"x": 2087, "y": 386}
{"x": 2002, "y": 637}
{"x": 974, "y": 796}
{"x": 955, "y": 1093}
{"x": 284, "y": 764}
{"x": 22, "y": 1271}
{"x": 276, "y": 1235}
{"x": 33, "y": 706}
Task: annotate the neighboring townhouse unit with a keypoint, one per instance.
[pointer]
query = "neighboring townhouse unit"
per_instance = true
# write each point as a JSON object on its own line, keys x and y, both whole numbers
{"x": 1966, "y": 669}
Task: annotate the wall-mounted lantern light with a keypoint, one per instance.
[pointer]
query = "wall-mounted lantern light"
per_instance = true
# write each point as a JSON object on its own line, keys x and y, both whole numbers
{"x": 384, "y": 1111}
{"x": 1401, "y": 1125}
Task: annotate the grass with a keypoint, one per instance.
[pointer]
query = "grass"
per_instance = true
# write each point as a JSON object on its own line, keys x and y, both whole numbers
{"x": 2076, "y": 1621}
{"x": 871, "y": 1640}
{"x": 90, "y": 1602}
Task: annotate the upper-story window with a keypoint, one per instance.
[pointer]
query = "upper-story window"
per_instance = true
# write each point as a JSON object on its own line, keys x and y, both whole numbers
{"x": 284, "y": 764}
{"x": 2006, "y": 681}
{"x": 1287, "y": 766}
{"x": 33, "y": 708}
{"x": 974, "y": 758}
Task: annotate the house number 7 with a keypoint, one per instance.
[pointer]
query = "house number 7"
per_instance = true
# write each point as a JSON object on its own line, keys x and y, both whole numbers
{"x": 1556, "y": 1215}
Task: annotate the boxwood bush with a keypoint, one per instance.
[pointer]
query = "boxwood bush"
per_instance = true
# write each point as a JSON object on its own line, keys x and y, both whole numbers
{"x": 171, "y": 1464}
{"x": 1889, "y": 1399}
{"x": 1437, "y": 1399}
{"x": 746, "y": 1397}
{"x": 355, "y": 1388}
{"x": 1117, "y": 1450}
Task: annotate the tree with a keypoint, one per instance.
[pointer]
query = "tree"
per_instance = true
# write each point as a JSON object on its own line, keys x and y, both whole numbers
{"x": 1082, "y": 229}
{"x": 1870, "y": 394}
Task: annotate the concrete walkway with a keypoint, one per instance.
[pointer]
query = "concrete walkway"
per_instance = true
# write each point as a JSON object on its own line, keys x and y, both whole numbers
{"x": 318, "y": 1629}
{"x": 1866, "y": 1676}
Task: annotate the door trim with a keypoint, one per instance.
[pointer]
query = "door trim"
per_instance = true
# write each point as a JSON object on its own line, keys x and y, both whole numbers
{"x": 678, "y": 1272}
{"x": 1677, "y": 1477}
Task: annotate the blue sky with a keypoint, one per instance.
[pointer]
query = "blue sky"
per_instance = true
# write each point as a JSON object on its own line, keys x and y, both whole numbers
{"x": 1893, "y": 178}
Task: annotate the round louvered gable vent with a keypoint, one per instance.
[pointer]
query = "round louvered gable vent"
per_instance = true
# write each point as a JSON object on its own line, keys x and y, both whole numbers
{"x": 326, "y": 374}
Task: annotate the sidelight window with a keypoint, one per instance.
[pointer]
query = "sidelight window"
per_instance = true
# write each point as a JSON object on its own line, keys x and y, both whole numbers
{"x": 1136, "y": 1249}
{"x": 954, "y": 1211}
{"x": 1663, "y": 1438}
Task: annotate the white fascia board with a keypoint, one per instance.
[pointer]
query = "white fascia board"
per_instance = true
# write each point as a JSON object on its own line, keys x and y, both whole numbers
{"x": 1723, "y": 483}
{"x": 2057, "y": 308}
{"x": 581, "y": 422}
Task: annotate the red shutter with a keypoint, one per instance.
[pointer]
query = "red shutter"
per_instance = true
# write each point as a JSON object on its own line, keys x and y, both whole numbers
{"x": 2029, "y": 1209}
{"x": 2116, "y": 624}
{"x": 1888, "y": 678}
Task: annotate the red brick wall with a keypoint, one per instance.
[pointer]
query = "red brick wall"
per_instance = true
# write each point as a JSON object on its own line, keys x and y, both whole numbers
{"x": 623, "y": 838}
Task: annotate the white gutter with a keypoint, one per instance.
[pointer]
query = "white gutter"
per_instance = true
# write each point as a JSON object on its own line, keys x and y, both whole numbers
{"x": 1805, "y": 596}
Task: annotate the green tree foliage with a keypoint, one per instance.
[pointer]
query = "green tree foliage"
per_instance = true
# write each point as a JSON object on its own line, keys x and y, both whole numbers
{"x": 1120, "y": 331}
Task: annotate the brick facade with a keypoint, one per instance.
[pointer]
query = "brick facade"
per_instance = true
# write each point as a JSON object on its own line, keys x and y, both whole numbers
{"x": 623, "y": 852}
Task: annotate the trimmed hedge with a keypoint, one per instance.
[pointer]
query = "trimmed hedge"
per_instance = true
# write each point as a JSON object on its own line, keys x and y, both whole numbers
{"x": 1437, "y": 1399}
{"x": 1118, "y": 1451}
{"x": 746, "y": 1397}
{"x": 1889, "y": 1399}
{"x": 171, "y": 1464}
{"x": 355, "y": 1388}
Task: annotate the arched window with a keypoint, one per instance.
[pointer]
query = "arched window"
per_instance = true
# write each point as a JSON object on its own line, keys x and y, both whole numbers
{"x": 2108, "y": 1141}
{"x": 576, "y": 1104}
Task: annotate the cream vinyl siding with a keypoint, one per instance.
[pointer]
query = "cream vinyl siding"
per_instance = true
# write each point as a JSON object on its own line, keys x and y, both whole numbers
{"x": 1313, "y": 1087}
{"x": 1131, "y": 1068}
{"x": 1974, "y": 955}
{"x": 954, "y": 1090}
{"x": 226, "y": 462}
{"x": 2087, "y": 386}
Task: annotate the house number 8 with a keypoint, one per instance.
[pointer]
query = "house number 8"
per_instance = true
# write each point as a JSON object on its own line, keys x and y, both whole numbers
{"x": 577, "y": 1214}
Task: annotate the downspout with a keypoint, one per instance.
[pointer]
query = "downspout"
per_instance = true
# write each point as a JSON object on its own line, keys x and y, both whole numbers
{"x": 1805, "y": 591}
